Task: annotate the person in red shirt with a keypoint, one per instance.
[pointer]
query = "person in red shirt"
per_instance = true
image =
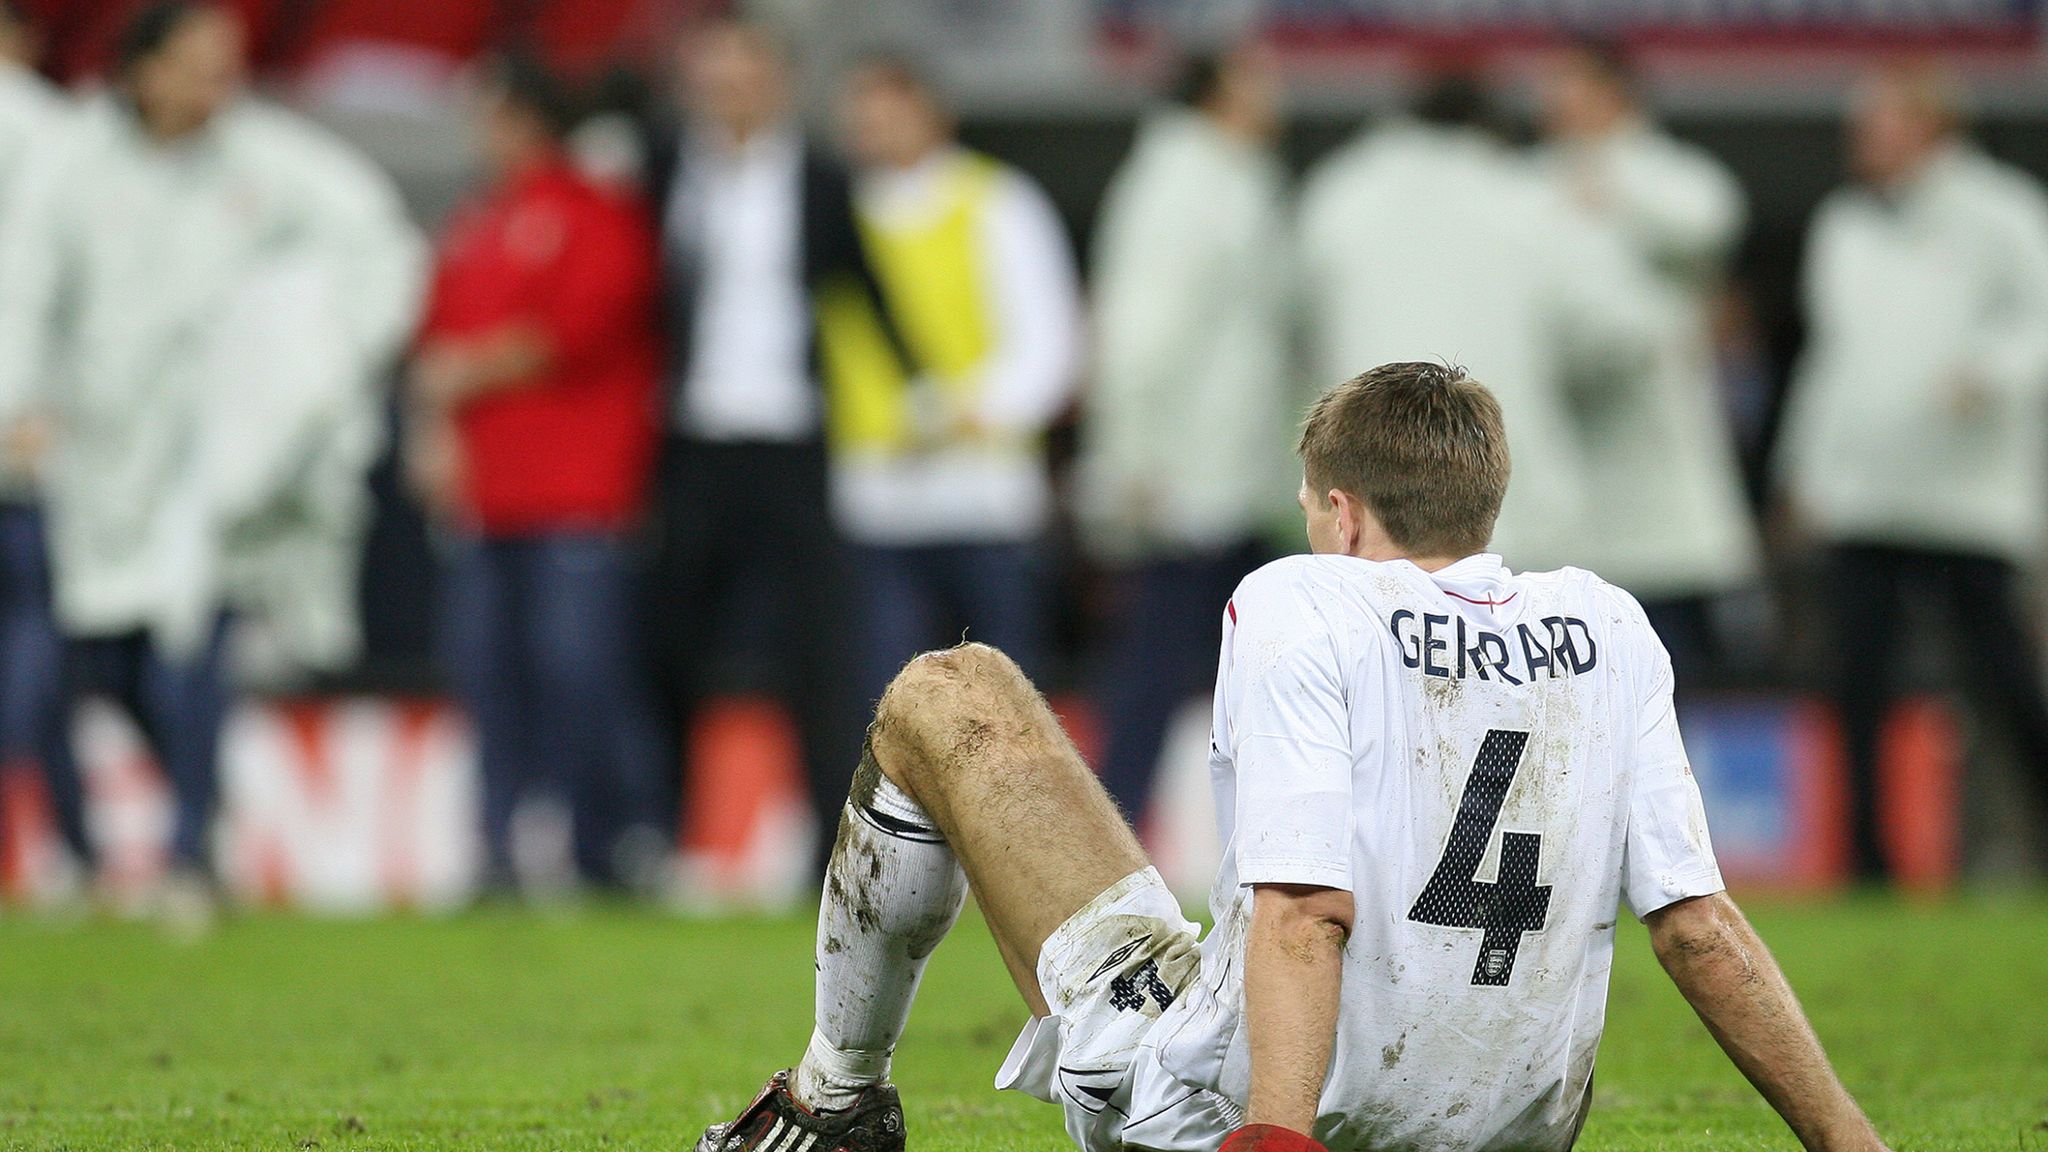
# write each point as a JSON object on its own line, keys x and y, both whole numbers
{"x": 532, "y": 432}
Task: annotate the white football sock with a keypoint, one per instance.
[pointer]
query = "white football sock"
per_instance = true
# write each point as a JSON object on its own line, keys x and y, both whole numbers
{"x": 892, "y": 893}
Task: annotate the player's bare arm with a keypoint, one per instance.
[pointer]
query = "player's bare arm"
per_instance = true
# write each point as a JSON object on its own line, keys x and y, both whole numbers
{"x": 1294, "y": 971}
{"x": 1723, "y": 969}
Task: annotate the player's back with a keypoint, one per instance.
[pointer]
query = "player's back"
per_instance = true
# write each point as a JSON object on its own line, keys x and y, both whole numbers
{"x": 1483, "y": 759}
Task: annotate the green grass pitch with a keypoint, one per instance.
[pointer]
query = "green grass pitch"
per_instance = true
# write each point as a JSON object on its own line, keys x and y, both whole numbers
{"x": 621, "y": 1029}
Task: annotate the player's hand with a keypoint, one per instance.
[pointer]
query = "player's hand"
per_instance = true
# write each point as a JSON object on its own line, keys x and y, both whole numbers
{"x": 928, "y": 414}
{"x": 26, "y": 444}
{"x": 967, "y": 428}
{"x": 1269, "y": 1138}
{"x": 1970, "y": 398}
{"x": 1590, "y": 187}
{"x": 1135, "y": 504}
{"x": 434, "y": 465}
{"x": 441, "y": 378}
{"x": 1789, "y": 522}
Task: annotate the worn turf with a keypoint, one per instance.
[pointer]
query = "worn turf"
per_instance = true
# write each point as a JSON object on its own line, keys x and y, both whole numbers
{"x": 619, "y": 1029}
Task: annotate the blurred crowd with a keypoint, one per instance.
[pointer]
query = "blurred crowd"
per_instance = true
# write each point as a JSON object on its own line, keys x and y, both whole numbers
{"x": 712, "y": 399}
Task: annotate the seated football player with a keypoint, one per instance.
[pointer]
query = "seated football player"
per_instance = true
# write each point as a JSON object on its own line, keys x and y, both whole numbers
{"x": 1437, "y": 780}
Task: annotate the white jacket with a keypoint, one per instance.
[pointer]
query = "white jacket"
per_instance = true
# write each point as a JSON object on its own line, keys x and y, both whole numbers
{"x": 1422, "y": 243}
{"x": 1185, "y": 443}
{"x": 1907, "y": 292}
{"x": 1669, "y": 517}
{"x": 31, "y": 116}
{"x": 148, "y": 296}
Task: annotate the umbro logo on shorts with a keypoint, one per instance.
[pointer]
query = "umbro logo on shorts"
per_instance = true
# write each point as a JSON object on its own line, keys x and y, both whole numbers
{"x": 1117, "y": 957}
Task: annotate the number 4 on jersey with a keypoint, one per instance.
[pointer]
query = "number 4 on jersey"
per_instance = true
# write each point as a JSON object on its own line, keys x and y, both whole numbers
{"x": 1513, "y": 903}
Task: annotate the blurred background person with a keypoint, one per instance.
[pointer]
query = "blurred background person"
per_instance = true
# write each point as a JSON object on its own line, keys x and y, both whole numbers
{"x": 150, "y": 343}
{"x": 533, "y": 392}
{"x": 939, "y": 473}
{"x": 1914, "y": 447}
{"x": 1430, "y": 238}
{"x": 1669, "y": 521}
{"x": 34, "y": 718}
{"x": 296, "y": 410}
{"x": 757, "y": 226}
{"x": 1184, "y": 434}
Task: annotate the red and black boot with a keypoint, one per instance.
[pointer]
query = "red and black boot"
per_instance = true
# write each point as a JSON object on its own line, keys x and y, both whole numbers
{"x": 775, "y": 1122}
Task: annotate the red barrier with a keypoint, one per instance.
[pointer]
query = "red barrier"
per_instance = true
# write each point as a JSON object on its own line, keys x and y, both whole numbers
{"x": 1920, "y": 779}
{"x": 355, "y": 804}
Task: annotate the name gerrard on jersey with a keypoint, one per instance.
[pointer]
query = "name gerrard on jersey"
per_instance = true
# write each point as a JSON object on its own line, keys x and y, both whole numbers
{"x": 1445, "y": 645}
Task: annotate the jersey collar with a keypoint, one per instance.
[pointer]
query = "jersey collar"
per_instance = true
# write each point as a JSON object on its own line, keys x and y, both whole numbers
{"x": 1480, "y": 580}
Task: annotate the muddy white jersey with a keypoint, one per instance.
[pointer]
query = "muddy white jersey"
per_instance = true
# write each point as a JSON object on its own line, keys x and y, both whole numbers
{"x": 1489, "y": 762}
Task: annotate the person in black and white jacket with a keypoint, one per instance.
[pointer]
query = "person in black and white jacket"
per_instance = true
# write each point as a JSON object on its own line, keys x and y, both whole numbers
{"x": 756, "y": 223}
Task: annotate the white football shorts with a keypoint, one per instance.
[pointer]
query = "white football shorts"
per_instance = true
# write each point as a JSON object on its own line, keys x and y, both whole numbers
{"x": 1108, "y": 973}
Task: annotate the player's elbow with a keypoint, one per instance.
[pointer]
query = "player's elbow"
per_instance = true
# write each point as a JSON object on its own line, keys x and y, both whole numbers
{"x": 1305, "y": 914}
{"x": 1695, "y": 930}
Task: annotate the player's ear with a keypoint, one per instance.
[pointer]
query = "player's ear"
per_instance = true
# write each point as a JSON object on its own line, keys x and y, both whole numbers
{"x": 1350, "y": 519}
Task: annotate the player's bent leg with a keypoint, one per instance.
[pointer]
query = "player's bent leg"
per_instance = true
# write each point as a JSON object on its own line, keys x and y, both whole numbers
{"x": 965, "y": 764}
{"x": 965, "y": 733}
{"x": 1091, "y": 935}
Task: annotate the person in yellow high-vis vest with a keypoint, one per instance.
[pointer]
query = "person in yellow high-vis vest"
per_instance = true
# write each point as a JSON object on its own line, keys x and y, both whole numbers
{"x": 939, "y": 473}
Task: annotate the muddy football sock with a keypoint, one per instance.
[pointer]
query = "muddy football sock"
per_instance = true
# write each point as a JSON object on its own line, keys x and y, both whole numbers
{"x": 892, "y": 892}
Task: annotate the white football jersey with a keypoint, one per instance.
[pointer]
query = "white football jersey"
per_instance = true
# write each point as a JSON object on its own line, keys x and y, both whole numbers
{"x": 1489, "y": 762}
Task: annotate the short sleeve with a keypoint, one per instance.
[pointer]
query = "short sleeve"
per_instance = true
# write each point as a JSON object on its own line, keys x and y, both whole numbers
{"x": 1668, "y": 855}
{"x": 1288, "y": 734}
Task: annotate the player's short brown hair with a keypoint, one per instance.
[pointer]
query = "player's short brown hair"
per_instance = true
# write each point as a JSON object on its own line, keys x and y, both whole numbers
{"x": 1422, "y": 445}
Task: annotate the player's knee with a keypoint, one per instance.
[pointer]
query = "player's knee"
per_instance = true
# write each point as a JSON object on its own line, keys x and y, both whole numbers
{"x": 934, "y": 693}
{"x": 936, "y": 679}
{"x": 904, "y": 711}
{"x": 970, "y": 660}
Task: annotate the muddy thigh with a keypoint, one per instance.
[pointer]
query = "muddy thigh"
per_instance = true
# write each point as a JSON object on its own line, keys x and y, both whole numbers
{"x": 966, "y": 733}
